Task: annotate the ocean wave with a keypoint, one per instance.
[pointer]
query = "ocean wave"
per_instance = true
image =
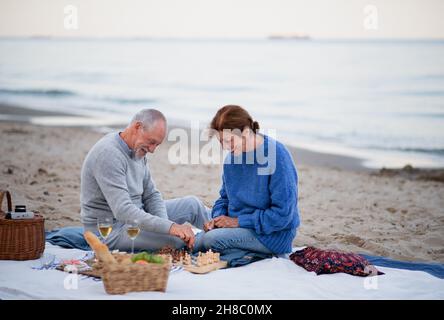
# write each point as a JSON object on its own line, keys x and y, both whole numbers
{"x": 420, "y": 115}
{"x": 129, "y": 100}
{"x": 434, "y": 93}
{"x": 38, "y": 92}
{"x": 431, "y": 151}
{"x": 436, "y": 151}
{"x": 55, "y": 93}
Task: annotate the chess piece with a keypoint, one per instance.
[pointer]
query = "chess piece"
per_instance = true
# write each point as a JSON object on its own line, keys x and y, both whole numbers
{"x": 210, "y": 256}
{"x": 187, "y": 259}
{"x": 204, "y": 262}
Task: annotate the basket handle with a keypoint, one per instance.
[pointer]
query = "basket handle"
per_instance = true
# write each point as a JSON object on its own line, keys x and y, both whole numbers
{"x": 8, "y": 198}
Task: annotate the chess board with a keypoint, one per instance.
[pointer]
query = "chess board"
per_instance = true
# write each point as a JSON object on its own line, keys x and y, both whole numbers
{"x": 204, "y": 262}
{"x": 206, "y": 268}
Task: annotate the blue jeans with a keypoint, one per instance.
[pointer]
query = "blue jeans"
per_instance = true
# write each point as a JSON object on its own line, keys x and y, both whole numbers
{"x": 238, "y": 246}
{"x": 186, "y": 209}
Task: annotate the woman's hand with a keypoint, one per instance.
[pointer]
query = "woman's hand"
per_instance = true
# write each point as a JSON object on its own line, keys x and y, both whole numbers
{"x": 208, "y": 226}
{"x": 226, "y": 222}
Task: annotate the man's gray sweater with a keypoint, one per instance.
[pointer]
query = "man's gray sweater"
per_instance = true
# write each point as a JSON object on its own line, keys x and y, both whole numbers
{"x": 116, "y": 184}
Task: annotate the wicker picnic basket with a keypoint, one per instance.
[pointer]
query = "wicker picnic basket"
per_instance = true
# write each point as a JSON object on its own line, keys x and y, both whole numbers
{"x": 121, "y": 278}
{"x": 20, "y": 239}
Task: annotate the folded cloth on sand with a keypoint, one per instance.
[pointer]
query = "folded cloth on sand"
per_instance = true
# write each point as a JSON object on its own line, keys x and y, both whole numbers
{"x": 332, "y": 261}
{"x": 68, "y": 237}
{"x": 434, "y": 268}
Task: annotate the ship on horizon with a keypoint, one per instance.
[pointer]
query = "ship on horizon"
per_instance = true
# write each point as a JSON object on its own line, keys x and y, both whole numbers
{"x": 292, "y": 36}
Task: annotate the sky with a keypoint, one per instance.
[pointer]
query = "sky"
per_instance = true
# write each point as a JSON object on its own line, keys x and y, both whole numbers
{"x": 223, "y": 18}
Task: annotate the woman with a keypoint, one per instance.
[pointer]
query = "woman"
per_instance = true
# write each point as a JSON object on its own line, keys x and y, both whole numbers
{"x": 257, "y": 211}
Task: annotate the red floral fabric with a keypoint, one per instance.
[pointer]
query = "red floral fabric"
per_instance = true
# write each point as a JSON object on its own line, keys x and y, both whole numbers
{"x": 332, "y": 261}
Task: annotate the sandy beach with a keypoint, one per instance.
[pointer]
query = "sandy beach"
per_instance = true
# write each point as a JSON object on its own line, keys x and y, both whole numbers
{"x": 342, "y": 205}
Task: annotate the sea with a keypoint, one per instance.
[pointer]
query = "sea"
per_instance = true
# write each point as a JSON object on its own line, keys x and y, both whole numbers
{"x": 378, "y": 100}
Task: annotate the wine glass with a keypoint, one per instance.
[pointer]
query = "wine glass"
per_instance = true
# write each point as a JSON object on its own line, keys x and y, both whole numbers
{"x": 132, "y": 229}
{"x": 105, "y": 226}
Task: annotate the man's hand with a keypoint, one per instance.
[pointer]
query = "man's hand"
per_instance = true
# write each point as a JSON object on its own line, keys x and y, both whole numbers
{"x": 184, "y": 232}
{"x": 208, "y": 226}
{"x": 226, "y": 222}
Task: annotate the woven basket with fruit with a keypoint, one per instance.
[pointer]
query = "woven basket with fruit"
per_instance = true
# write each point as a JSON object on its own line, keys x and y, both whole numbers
{"x": 129, "y": 273}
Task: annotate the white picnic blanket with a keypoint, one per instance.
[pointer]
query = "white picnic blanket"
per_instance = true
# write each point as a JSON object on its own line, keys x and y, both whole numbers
{"x": 276, "y": 278}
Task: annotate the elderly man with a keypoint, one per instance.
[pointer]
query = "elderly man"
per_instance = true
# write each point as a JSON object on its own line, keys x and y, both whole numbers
{"x": 116, "y": 183}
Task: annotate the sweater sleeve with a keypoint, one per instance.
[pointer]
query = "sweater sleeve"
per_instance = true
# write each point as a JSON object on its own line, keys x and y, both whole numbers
{"x": 283, "y": 196}
{"x": 110, "y": 174}
{"x": 220, "y": 207}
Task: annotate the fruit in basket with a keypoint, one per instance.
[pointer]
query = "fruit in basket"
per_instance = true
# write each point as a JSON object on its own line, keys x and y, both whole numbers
{"x": 142, "y": 262}
{"x": 149, "y": 258}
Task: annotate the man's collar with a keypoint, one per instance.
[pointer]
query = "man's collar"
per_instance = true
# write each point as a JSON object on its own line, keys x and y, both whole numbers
{"x": 125, "y": 147}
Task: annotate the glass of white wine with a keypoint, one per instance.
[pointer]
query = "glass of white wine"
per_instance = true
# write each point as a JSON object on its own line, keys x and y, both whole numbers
{"x": 132, "y": 229}
{"x": 105, "y": 226}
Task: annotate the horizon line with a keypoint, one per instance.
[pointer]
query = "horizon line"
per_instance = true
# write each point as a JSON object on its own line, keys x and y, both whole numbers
{"x": 271, "y": 37}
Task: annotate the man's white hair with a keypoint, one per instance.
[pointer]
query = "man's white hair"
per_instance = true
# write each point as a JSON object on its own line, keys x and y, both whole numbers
{"x": 148, "y": 117}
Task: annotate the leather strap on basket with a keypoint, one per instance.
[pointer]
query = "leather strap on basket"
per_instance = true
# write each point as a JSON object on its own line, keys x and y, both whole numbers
{"x": 8, "y": 198}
